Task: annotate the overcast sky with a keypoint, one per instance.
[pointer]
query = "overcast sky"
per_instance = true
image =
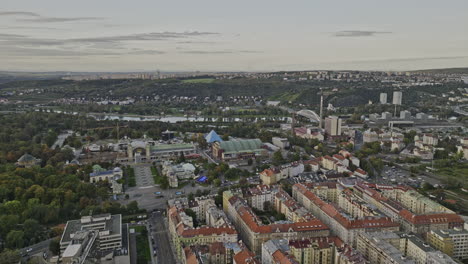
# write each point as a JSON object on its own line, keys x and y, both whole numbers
{"x": 240, "y": 35}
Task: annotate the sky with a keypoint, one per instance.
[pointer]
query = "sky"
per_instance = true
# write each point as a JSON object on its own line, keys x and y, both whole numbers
{"x": 241, "y": 35}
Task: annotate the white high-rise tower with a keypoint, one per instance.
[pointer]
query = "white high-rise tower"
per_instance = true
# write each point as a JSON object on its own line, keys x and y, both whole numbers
{"x": 383, "y": 98}
{"x": 397, "y": 97}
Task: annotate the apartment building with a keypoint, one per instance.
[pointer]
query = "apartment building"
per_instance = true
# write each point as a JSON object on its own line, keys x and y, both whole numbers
{"x": 340, "y": 222}
{"x": 260, "y": 195}
{"x": 183, "y": 233}
{"x": 382, "y": 247}
{"x": 253, "y": 232}
{"x": 453, "y": 242}
{"x": 415, "y": 212}
{"x": 293, "y": 211}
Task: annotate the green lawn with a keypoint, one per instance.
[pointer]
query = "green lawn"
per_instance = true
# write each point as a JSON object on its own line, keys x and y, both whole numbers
{"x": 143, "y": 247}
{"x": 130, "y": 177}
{"x": 203, "y": 80}
{"x": 458, "y": 173}
{"x": 158, "y": 178}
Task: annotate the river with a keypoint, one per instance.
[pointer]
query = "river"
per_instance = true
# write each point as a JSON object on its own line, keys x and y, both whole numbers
{"x": 171, "y": 119}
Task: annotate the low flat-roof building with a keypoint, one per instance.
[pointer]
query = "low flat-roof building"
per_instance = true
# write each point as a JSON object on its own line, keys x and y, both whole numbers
{"x": 108, "y": 229}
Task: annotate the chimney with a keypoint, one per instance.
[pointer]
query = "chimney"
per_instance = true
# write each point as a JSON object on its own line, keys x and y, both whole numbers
{"x": 321, "y": 110}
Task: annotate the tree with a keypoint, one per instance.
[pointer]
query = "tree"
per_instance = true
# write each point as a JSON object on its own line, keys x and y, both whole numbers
{"x": 10, "y": 256}
{"x": 278, "y": 158}
{"x": 217, "y": 182}
{"x": 192, "y": 214}
{"x": 181, "y": 158}
{"x": 307, "y": 168}
{"x": 190, "y": 196}
{"x": 54, "y": 247}
{"x": 197, "y": 170}
{"x": 7, "y": 223}
{"x": 15, "y": 239}
{"x": 202, "y": 142}
{"x": 132, "y": 207}
{"x": 31, "y": 228}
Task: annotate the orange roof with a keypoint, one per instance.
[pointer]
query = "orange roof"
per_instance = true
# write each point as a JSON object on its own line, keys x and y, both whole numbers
{"x": 254, "y": 223}
{"x": 245, "y": 256}
{"x": 268, "y": 172}
{"x": 336, "y": 156}
{"x": 283, "y": 258}
{"x": 333, "y": 212}
{"x": 427, "y": 219}
{"x": 360, "y": 171}
{"x": 186, "y": 231}
{"x": 190, "y": 257}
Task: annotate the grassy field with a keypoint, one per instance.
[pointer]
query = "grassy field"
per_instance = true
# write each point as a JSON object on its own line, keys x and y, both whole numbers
{"x": 143, "y": 247}
{"x": 158, "y": 178}
{"x": 130, "y": 177}
{"x": 458, "y": 173}
{"x": 204, "y": 80}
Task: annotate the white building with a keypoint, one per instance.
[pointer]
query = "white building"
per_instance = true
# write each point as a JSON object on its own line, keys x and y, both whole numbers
{"x": 386, "y": 115}
{"x": 383, "y": 98}
{"x": 405, "y": 114}
{"x": 370, "y": 136}
{"x": 430, "y": 139}
{"x": 106, "y": 230}
{"x": 282, "y": 143}
{"x": 397, "y": 97}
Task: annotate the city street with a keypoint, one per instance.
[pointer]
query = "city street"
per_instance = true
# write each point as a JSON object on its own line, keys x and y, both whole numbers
{"x": 36, "y": 249}
{"x": 144, "y": 192}
{"x": 160, "y": 234}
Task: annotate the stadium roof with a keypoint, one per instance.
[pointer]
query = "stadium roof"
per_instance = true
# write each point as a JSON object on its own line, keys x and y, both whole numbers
{"x": 241, "y": 145}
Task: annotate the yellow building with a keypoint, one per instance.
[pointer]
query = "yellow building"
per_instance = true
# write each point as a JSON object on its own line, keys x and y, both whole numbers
{"x": 453, "y": 242}
{"x": 318, "y": 250}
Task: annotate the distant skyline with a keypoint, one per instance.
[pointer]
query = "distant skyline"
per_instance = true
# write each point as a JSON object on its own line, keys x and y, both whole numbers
{"x": 209, "y": 35}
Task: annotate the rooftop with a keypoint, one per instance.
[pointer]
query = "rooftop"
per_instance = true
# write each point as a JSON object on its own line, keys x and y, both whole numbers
{"x": 113, "y": 224}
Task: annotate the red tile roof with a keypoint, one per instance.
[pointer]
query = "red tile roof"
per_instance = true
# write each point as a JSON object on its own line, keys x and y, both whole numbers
{"x": 245, "y": 256}
{"x": 254, "y": 223}
{"x": 282, "y": 258}
{"x": 427, "y": 219}
{"x": 333, "y": 212}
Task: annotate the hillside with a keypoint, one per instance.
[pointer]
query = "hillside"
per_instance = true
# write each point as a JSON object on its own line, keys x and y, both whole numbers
{"x": 446, "y": 71}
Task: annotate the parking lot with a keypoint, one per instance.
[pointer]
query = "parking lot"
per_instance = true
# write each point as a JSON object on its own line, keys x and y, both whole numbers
{"x": 395, "y": 175}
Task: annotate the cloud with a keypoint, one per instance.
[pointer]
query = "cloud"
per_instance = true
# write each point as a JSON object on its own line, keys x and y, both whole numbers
{"x": 195, "y": 42}
{"x": 201, "y": 52}
{"x": 359, "y": 33}
{"x": 146, "y": 52}
{"x": 19, "y": 13}
{"x": 145, "y": 36}
{"x": 51, "y": 52}
{"x": 59, "y": 52}
{"x": 6, "y": 36}
{"x": 416, "y": 59}
{"x": 32, "y": 17}
{"x": 31, "y": 27}
{"x": 101, "y": 42}
{"x": 58, "y": 19}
